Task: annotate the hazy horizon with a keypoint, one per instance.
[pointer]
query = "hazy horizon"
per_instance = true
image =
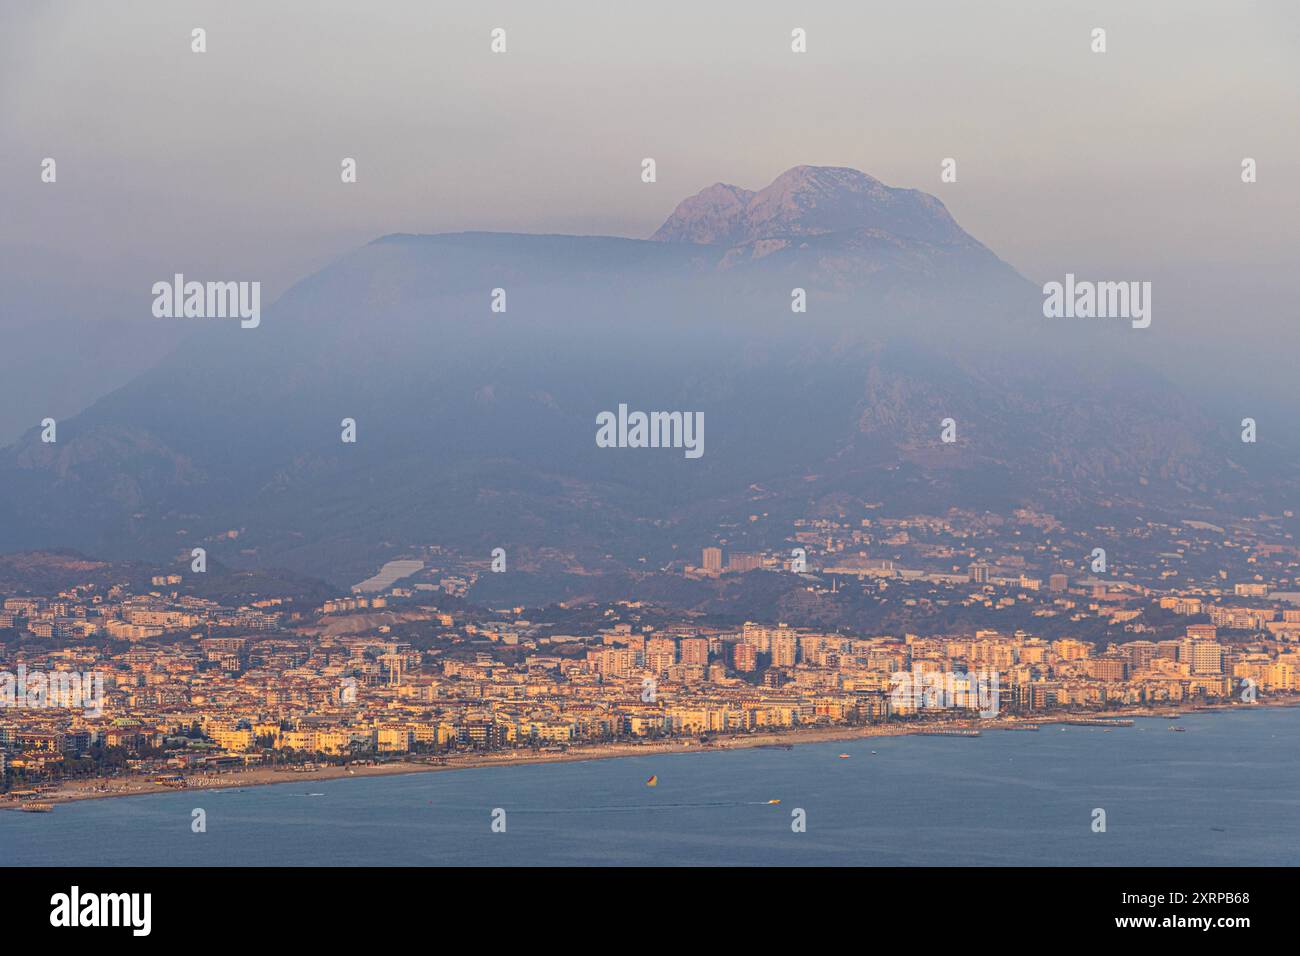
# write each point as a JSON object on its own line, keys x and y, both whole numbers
{"x": 1127, "y": 165}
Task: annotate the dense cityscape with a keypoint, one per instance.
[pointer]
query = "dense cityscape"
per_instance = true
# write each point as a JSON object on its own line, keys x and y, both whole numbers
{"x": 104, "y": 682}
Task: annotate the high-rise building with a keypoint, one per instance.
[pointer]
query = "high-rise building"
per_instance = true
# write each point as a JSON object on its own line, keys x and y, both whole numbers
{"x": 785, "y": 648}
{"x": 1202, "y": 657}
{"x": 1071, "y": 650}
{"x": 612, "y": 661}
{"x": 744, "y": 657}
{"x": 1168, "y": 649}
{"x": 758, "y": 635}
{"x": 695, "y": 650}
{"x": 979, "y": 573}
{"x": 660, "y": 654}
{"x": 713, "y": 559}
{"x": 1058, "y": 582}
{"x": 1140, "y": 653}
{"x": 1110, "y": 667}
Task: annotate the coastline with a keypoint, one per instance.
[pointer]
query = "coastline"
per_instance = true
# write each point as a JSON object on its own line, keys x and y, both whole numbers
{"x": 99, "y": 788}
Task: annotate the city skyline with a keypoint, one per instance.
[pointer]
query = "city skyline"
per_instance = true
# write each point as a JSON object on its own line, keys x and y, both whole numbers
{"x": 752, "y": 435}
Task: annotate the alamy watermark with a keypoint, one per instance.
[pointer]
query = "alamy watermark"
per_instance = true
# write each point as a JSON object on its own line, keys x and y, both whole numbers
{"x": 918, "y": 690}
{"x": 179, "y": 299}
{"x": 75, "y": 908}
{"x": 57, "y": 689}
{"x": 1098, "y": 300}
{"x": 651, "y": 430}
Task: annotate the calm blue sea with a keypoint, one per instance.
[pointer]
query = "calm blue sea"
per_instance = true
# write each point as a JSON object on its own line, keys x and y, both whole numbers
{"x": 1226, "y": 792}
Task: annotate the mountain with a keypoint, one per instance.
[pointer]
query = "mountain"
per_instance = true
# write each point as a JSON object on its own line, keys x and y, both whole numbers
{"x": 477, "y": 429}
{"x": 810, "y": 201}
{"x": 49, "y": 572}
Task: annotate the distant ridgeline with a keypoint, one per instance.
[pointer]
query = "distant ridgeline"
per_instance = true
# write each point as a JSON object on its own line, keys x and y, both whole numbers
{"x": 450, "y": 389}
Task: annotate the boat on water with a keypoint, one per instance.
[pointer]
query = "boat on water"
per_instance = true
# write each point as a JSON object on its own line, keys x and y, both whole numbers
{"x": 653, "y": 781}
{"x": 773, "y": 802}
{"x": 1179, "y": 730}
{"x": 33, "y": 807}
{"x": 844, "y": 756}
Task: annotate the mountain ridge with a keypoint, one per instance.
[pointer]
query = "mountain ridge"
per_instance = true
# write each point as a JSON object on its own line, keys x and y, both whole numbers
{"x": 808, "y": 201}
{"x": 476, "y": 428}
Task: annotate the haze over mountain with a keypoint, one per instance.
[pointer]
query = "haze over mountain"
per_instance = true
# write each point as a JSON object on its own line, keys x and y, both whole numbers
{"x": 809, "y": 201}
{"x": 477, "y": 429}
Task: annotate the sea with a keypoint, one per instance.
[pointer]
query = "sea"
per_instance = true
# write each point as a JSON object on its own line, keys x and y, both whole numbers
{"x": 1226, "y": 791}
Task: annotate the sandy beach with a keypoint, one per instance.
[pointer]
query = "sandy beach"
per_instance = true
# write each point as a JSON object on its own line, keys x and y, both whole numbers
{"x": 98, "y": 788}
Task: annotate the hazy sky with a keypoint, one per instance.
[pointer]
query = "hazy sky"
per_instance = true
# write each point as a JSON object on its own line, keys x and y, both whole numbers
{"x": 1122, "y": 165}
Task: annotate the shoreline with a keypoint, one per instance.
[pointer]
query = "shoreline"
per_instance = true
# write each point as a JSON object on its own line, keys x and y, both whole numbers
{"x": 101, "y": 788}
